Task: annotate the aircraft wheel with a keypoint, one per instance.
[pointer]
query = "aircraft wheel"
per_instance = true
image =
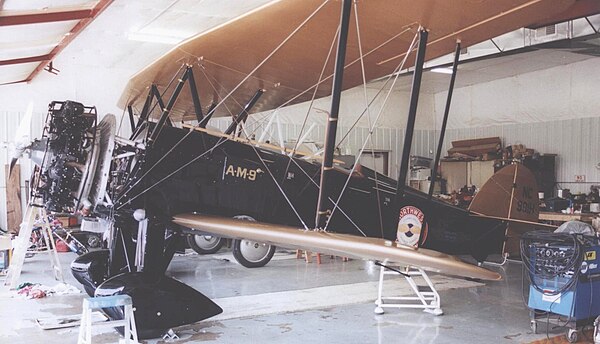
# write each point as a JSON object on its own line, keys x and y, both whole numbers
{"x": 252, "y": 254}
{"x": 205, "y": 243}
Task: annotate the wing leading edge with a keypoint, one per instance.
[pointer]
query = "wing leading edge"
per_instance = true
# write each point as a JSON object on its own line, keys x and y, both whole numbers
{"x": 336, "y": 244}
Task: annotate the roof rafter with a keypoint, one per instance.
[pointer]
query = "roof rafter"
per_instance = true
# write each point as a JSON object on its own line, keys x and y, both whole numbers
{"x": 100, "y": 6}
{"x": 8, "y": 18}
{"x": 25, "y": 60}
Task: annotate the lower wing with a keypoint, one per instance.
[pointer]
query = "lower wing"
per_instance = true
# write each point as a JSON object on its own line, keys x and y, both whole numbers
{"x": 336, "y": 244}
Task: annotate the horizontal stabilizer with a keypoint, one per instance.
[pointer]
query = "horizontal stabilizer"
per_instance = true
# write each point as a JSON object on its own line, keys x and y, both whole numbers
{"x": 336, "y": 244}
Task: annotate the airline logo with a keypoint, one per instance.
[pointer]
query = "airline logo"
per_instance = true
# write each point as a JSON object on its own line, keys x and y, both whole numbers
{"x": 411, "y": 226}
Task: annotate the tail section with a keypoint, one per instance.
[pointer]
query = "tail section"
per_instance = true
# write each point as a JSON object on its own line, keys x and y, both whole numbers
{"x": 510, "y": 194}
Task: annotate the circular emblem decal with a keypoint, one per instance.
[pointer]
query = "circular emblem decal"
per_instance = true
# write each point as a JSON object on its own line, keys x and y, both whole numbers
{"x": 411, "y": 227}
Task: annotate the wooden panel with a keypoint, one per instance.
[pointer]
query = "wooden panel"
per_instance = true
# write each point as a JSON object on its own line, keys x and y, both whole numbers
{"x": 455, "y": 173}
{"x": 14, "y": 212}
{"x": 479, "y": 172}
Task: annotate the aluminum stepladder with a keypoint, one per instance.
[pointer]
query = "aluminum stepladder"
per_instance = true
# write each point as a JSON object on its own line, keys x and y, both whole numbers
{"x": 95, "y": 303}
{"x": 426, "y": 297}
{"x": 22, "y": 243}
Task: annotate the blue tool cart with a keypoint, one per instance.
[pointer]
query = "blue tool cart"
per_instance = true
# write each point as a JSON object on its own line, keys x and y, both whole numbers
{"x": 563, "y": 271}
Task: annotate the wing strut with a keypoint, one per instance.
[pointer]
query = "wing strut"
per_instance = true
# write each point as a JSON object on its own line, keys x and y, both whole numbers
{"x": 438, "y": 154}
{"x": 209, "y": 114}
{"x": 159, "y": 101}
{"x": 330, "y": 133}
{"x": 412, "y": 112}
{"x": 143, "y": 115}
{"x": 166, "y": 110}
{"x": 131, "y": 119}
{"x": 241, "y": 117}
{"x": 195, "y": 96}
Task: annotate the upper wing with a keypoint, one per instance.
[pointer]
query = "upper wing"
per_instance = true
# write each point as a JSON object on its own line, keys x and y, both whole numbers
{"x": 225, "y": 56}
{"x": 336, "y": 244}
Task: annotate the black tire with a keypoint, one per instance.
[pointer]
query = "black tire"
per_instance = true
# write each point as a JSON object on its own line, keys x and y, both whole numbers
{"x": 204, "y": 243}
{"x": 263, "y": 253}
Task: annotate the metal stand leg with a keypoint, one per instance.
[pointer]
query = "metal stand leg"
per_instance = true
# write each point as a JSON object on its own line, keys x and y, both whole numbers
{"x": 51, "y": 245}
{"x": 426, "y": 297}
{"x": 16, "y": 265}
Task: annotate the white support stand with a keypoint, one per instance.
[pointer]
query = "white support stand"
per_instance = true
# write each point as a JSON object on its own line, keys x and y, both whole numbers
{"x": 22, "y": 243}
{"x": 426, "y": 297}
{"x": 95, "y": 303}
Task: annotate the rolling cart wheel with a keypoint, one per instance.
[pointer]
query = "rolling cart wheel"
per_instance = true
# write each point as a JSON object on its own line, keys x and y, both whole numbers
{"x": 533, "y": 326}
{"x": 572, "y": 335}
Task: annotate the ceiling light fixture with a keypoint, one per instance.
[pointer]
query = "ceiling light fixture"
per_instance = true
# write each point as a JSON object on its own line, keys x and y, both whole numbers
{"x": 443, "y": 70}
{"x": 154, "y": 38}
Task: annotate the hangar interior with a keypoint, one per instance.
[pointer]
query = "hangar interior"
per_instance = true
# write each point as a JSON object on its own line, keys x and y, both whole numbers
{"x": 522, "y": 96}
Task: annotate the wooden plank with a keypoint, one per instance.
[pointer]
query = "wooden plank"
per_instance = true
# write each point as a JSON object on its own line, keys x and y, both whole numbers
{"x": 475, "y": 150}
{"x": 476, "y": 142}
{"x": 14, "y": 212}
{"x": 548, "y": 216}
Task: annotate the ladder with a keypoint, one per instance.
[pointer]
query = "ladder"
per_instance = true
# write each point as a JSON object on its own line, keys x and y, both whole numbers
{"x": 425, "y": 297}
{"x": 96, "y": 303}
{"x": 22, "y": 243}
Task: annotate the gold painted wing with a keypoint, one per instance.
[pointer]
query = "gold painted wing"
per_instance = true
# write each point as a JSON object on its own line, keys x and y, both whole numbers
{"x": 226, "y": 55}
{"x": 336, "y": 244}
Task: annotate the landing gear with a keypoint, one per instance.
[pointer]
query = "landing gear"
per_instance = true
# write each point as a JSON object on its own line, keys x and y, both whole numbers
{"x": 251, "y": 254}
{"x": 205, "y": 243}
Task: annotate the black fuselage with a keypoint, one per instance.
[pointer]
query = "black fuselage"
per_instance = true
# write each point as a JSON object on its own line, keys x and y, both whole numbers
{"x": 224, "y": 177}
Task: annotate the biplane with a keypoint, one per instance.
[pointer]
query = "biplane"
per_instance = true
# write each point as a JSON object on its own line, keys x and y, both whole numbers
{"x": 176, "y": 175}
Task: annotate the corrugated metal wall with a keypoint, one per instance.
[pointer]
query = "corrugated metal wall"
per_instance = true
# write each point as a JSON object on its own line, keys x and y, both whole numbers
{"x": 9, "y": 122}
{"x": 383, "y": 139}
{"x": 576, "y": 141}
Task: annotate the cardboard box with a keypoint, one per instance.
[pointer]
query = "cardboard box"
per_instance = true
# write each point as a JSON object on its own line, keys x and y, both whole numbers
{"x": 68, "y": 221}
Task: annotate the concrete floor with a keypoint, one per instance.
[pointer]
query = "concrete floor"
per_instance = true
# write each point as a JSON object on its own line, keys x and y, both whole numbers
{"x": 287, "y": 308}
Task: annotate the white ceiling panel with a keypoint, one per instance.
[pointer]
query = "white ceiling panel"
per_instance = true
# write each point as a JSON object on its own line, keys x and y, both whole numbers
{"x": 31, "y": 40}
{"x": 20, "y": 71}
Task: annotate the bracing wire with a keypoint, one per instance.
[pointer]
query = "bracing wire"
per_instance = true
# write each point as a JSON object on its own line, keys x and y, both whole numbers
{"x": 312, "y": 100}
{"x": 298, "y": 28}
{"x": 364, "y": 78}
{"x": 372, "y": 128}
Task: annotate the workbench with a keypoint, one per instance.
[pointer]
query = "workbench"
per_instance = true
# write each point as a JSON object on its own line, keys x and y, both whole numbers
{"x": 560, "y": 217}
